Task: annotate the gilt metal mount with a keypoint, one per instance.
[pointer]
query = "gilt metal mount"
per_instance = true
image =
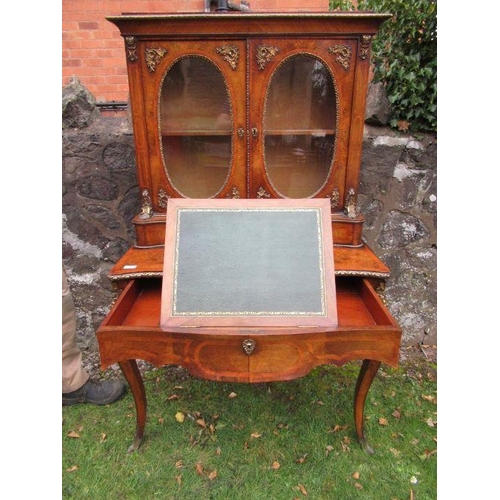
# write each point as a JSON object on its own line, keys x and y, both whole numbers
{"x": 248, "y": 346}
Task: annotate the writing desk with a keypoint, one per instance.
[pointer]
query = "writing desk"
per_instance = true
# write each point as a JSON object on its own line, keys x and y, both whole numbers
{"x": 163, "y": 321}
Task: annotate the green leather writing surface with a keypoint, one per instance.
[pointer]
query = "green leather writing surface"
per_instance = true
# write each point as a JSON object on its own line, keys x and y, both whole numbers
{"x": 248, "y": 262}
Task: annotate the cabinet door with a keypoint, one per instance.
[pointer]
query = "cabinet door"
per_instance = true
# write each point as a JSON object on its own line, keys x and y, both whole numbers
{"x": 195, "y": 119}
{"x": 299, "y": 117}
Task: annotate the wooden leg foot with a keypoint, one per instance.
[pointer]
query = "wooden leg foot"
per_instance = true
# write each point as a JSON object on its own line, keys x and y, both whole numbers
{"x": 134, "y": 379}
{"x": 366, "y": 375}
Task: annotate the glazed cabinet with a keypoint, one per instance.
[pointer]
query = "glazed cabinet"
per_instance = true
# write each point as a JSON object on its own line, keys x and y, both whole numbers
{"x": 239, "y": 109}
{"x": 248, "y": 105}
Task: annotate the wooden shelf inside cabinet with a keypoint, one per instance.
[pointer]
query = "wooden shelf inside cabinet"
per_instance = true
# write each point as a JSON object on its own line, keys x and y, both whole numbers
{"x": 188, "y": 133}
{"x": 309, "y": 132}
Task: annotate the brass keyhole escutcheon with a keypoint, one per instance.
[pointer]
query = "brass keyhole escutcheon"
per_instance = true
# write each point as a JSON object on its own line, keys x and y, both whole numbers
{"x": 255, "y": 132}
{"x": 248, "y": 346}
{"x": 241, "y": 132}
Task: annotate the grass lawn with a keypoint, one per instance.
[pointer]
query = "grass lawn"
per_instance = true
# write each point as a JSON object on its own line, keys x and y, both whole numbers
{"x": 283, "y": 440}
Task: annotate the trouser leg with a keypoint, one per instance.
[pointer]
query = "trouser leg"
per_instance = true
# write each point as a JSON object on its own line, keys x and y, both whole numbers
{"x": 73, "y": 374}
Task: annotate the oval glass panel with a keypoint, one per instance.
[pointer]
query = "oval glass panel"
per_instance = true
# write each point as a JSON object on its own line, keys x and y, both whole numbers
{"x": 195, "y": 127}
{"x": 300, "y": 119}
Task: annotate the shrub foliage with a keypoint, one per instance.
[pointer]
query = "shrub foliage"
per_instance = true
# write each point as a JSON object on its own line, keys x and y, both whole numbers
{"x": 405, "y": 59}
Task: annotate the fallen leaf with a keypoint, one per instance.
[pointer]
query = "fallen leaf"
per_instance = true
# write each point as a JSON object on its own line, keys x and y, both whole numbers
{"x": 201, "y": 423}
{"x": 218, "y": 451}
{"x": 382, "y": 421}
{"x": 395, "y": 452}
{"x": 430, "y": 422}
{"x": 329, "y": 448}
{"x": 72, "y": 468}
{"x": 232, "y": 395}
{"x": 103, "y": 437}
{"x": 338, "y": 427}
{"x": 355, "y": 475}
{"x": 276, "y": 465}
{"x": 179, "y": 464}
{"x": 427, "y": 454}
{"x": 320, "y": 403}
{"x": 212, "y": 475}
{"x": 199, "y": 469}
{"x": 179, "y": 416}
{"x": 172, "y": 397}
{"x": 396, "y": 414}
{"x": 358, "y": 486}
{"x": 302, "y": 489}
{"x": 403, "y": 125}
{"x": 255, "y": 435}
{"x": 178, "y": 479}
{"x": 301, "y": 459}
{"x": 73, "y": 434}
{"x": 430, "y": 398}
{"x": 161, "y": 420}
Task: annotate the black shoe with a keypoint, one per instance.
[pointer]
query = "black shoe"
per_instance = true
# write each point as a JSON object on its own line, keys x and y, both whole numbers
{"x": 96, "y": 393}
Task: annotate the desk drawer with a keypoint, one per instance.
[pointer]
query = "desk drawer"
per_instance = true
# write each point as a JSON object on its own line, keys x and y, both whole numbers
{"x": 366, "y": 331}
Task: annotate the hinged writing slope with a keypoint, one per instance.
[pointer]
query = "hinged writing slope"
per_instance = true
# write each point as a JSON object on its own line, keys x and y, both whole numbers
{"x": 248, "y": 262}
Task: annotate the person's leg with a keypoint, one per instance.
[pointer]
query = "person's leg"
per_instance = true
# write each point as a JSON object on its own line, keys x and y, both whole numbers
{"x": 76, "y": 384}
{"x": 73, "y": 375}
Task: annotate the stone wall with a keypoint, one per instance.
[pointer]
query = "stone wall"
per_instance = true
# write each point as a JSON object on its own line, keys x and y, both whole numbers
{"x": 397, "y": 197}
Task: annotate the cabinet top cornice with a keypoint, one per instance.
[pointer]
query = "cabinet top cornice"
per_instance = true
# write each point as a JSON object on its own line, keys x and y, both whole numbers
{"x": 248, "y": 23}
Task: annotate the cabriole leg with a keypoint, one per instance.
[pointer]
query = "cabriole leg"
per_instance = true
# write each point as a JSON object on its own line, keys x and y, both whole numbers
{"x": 366, "y": 375}
{"x": 134, "y": 379}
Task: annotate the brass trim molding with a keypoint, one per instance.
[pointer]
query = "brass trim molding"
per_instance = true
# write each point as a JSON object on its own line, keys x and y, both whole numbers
{"x": 230, "y": 54}
{"x": 248, "y": 346}
{"x": 343, "y": 53}
{"x": 159, "y": 274}
{"x": 334, "y": 198}
{"x": 234, "y": 194}
{"x": 163, "y": 198}
{"x": 153, "y": 56}
{"x": 262, "y": 193}
{"x": 364, "y": 47}
{"x": 146, "y": 205}
{"x": 264, "y": 54}
{"x": 131, "y": 48}
{"x": 350, "y": 204}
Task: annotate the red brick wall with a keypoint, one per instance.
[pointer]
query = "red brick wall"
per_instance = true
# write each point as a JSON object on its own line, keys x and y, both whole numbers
{"x": 92, "y": 48}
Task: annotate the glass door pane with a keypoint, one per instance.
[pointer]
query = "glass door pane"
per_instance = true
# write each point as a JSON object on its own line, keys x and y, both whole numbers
{"x": 299, "y": 126}
{"x": 196, "y": 127}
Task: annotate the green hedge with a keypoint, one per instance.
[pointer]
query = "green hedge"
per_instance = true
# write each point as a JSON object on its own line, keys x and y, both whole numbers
{"x": 404, "y": 54}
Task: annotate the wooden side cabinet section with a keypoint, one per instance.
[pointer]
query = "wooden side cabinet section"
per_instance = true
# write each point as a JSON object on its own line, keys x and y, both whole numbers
{"x": 260, "y": 106}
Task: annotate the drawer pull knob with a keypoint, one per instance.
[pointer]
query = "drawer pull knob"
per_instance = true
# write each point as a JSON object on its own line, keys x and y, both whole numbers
{"x": 248, "y": 346}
